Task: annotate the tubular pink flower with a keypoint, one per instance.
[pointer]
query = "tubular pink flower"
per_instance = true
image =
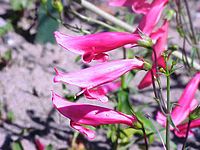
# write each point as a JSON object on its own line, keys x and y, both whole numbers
{"x": 94, "y": 46}
{"x": 100, "y": 92}
{"x": 39, "y": 144}
{"x": 186, "y": 103}
{"x": 150, "y": 20}
{"x": 161, "y": 43}
{"x": 138, "y": 6}
{"x": 182, "y": 129}
{"x": 161, "y": 36}
{"x": 85, "y": 114}
{"x": 100, "y": 74}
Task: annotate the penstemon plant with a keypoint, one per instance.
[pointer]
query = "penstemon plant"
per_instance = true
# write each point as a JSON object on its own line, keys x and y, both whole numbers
{"x": 98, "y": 81}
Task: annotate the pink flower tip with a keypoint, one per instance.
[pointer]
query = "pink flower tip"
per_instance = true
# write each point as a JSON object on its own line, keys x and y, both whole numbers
{"x": 58, "y": 75}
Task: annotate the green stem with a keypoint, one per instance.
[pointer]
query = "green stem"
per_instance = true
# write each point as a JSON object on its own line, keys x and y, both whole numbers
{"x": 145, "y": 137}
{"x": 117, "y": 140}
{"x": 168, "y": 112}
{"x": 187, "y": 133}
{"x": 73, "y": 146}
{"x": 123, "y": 78}
{"x": 194, "y": 39}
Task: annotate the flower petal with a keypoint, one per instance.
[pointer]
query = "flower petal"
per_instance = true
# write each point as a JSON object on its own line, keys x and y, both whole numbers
{"x": 89, "y": 133}
{"x": 161, "y": 43}
{"x": 183, "y": 128}
{"x": 85, "y": 114}
{"x": 147, "y": 25}
{"x": 95, "y": 44}
{"x": 186, "y": 103}
{"x": 146, "y": 81}
{"x": 100, "y": 92}
{"x": 96, "y": 94}
{"x": 97, "y": 75}
{"x": 138, "y": 6}
{"x": 102, "y": 57}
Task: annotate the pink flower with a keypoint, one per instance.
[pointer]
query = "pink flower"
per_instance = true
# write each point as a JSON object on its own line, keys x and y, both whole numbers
{"x": 138, "y": 6}
{"x": 161, "y": 36}
{"x": 39, "y": 144}
{"x": 85, "y": 114}
{"x": 94, "y": 46}
{"x": 150, "y": 20}
{"x": 182, "y": 129}
{"x": 186, "y": 103}
{"x": 100, "y": 74}
{"x": 100, "y": 92}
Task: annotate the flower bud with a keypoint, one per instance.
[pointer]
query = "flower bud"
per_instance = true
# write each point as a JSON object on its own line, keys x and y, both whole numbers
{"x": 57, "y": 4}
{"x": 162, "y": 70}
{"x": 145, "y": 42}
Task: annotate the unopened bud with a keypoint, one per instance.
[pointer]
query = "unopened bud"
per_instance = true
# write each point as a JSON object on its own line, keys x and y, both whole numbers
{"x": 170, "y": 14}
{"x": 145, "y": 42}
{"x": 173, "y": 47}
{"x": 162, "y": 70}
{"x": 57, "y": 4}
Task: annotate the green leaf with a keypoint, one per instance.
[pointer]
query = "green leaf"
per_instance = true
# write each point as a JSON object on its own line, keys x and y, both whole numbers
{"x": 18, "y": 5}
{"x": 49, "y": 147}
{"x": 195, "y": 114}
{"x": 16, "y": 146}
{"x": 78, "y": 58}
{"x": 57, "y": 4}
{"x": 172, "y": 123}
{"x": 169, "y": 15}
{"x": 10, "y": 116}
{"x": 130, "y": 17}
{"x": 7, "y": 56}
{"x": 5, "y": 29}
{"x": 47, "y": 25}
{"x": 123, "y": 102}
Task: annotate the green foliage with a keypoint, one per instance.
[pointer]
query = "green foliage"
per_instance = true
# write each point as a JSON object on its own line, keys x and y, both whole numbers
{"x": 57, "y": 4}
{"x": 47, "y": 24}
{"x": 49, "y": 147}
{"x": 5, "y": 29}
{"x": 7, "y": 56}
{"x": 10, "y": 116}
{"x": 130, "y": 17}
{"x": 169, "y": 14}
{"x": 18, "y": 5}
{"x": 195, "y": 114}
{"x": 16, "y": 146}
{"x": 123, "y": 102}
{"x": 43, "y": 2}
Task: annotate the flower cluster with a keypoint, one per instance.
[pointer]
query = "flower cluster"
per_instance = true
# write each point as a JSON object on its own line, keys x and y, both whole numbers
{"x": 97, "y": 81}
{"x": 186, "y": 104}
